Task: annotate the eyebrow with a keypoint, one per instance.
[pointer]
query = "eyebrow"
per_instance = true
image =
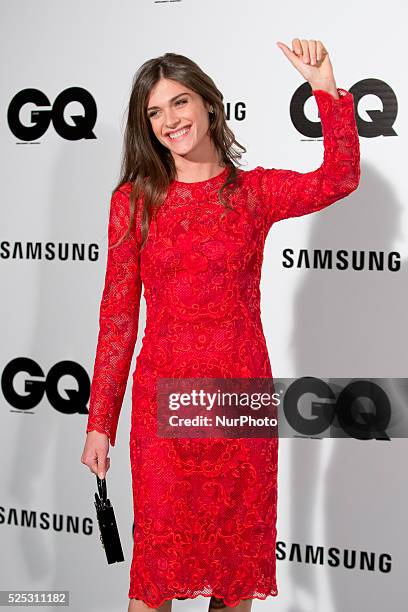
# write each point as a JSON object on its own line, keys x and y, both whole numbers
{"x": 171, "y": 100}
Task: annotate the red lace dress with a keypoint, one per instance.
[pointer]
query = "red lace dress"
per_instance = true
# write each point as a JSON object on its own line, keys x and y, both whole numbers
{"x": 205, "y": 509}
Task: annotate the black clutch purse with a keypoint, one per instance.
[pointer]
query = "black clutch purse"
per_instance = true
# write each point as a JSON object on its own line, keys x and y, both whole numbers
{"x": 108, "y": 530}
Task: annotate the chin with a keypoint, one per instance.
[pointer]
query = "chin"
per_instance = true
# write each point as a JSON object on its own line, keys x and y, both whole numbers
{"x": 182, "y": 152}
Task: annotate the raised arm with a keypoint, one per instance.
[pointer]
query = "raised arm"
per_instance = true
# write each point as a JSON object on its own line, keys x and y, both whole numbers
{"x": 288, "y": 193}
{"x": 118, "y": 322}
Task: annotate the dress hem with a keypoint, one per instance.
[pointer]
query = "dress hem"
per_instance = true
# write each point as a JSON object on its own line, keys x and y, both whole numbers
{"x": 230, "y": 604}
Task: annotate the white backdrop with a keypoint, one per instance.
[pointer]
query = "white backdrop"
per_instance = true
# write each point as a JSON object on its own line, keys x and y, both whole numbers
{"x": 55, "y": 191}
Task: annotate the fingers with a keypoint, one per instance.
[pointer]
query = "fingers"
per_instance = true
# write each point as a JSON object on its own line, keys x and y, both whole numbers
{"x": 320, "y": 51}
{"x": 102, "y": 466}
{"x": 98, "y": 463}
{"x": 93, "y": 466}
{"x": 292, "y": 57}
{"x": 297, "y": 47}
{"x": 310, "y": 51}
{"x": 305, "y": 50}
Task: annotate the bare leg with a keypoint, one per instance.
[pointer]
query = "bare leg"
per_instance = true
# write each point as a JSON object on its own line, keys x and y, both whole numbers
{"x": 137, "y": 605}
{"x": 217, "y": 605}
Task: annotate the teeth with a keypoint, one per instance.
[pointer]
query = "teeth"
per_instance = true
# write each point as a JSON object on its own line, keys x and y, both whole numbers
{"x": 178, "y": 134}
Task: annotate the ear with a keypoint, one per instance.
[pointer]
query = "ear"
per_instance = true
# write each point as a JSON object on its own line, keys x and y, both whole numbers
{"x": 208, "y": 106}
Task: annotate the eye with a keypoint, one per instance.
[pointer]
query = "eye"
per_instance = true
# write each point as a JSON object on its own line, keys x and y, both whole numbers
{"x": 180, "y": 101}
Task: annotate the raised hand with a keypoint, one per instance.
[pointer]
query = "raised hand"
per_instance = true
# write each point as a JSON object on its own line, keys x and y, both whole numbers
{"x": 311, "y": 59}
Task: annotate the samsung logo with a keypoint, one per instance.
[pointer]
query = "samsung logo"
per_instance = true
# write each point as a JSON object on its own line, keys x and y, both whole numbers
{"x": 308, "y": 554}
{"x": 343, "y": 259}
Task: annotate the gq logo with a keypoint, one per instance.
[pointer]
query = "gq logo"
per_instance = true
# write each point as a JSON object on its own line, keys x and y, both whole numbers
{"x": 37, "y": 383}
{"x": 381, "y": 120}
{"x": 40, "y": 118}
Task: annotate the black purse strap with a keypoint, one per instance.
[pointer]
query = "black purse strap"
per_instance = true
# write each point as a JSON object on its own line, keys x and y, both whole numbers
{"x": 102, "y": 500}
{"x": 103, "y": 493}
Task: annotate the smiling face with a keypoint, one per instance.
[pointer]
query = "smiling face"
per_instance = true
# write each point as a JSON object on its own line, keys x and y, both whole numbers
{"x": 179, "y": 119}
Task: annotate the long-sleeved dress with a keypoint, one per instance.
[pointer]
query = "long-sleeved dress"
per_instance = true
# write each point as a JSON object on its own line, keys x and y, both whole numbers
{"x": 205, "y": 509}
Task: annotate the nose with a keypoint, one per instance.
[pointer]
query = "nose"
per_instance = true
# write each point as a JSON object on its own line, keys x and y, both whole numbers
{"x": 171, "y": 120}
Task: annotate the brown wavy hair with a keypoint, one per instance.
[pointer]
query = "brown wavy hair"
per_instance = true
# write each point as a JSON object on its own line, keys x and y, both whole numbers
{"x": 146, "y": 163}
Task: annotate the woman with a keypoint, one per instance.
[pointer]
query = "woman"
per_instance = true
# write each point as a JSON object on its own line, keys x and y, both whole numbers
{"x": 190, "y": 226}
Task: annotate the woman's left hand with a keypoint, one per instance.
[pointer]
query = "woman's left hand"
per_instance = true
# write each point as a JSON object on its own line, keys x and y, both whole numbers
{"x": 311, "y": 59}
